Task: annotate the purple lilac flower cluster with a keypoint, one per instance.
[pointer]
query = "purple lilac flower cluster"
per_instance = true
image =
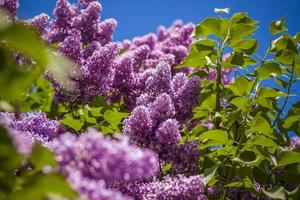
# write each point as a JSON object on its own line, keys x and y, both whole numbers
{"x": 10, "y": 6}
{"x": 170, "y": 188}
{"x": 86, "y": 40}
{"x": 92, "y": 162}
{"x": 153, "y": 123}
{"x": 170, "y": 44}
{"x": 143, "y": 88}
{"x": 295, "y": 142}
{"x": 29, "y": 128}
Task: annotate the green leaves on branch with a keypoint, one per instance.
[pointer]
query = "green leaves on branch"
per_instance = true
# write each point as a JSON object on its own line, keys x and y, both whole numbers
{"x": 278, "y": 26}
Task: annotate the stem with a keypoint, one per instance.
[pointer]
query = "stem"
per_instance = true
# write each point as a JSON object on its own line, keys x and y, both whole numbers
{"x": 287, "y": 97}
{"x": 219, "y": 81}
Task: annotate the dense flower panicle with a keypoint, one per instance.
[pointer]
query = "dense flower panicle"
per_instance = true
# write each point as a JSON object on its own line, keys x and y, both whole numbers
{"x": 185, "y": 98}
{"x": 101, "y": 158}
{"x": 38, "y": 124}
{"x": 72, "y": 47}
{"x": 98, "y": 72}
{"x": 159, "y": 81}
{"x": 105, "y": 31}
{"x": 185, "y": 159}
{"x": 87, "y": 21}
{"x": 10, "y": 6}
{"x": 139, "y": 126}
{"x": 169, "y": 44}
{"x": 22, "y": 141}
{"x": 139, "y": 55}
{"x": 167, "y": 137}
{"x": 30, "y": 128}
{"x": 40, "y": 22}
{"x": 64, "y": 13}
{"x": 151, "y": 125}
{"x": 178, "y": 188}
{"x": 123, "y": 79}
{"x": 94, "y": 190}
{"x": 162, "y": 108}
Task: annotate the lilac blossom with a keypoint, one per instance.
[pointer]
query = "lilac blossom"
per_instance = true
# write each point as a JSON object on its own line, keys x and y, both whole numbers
{"x": 176, "y": 188}
{"x": 168, "y": 43}
{"x": 10, "y": 6}
{"x": 152, "y": 126}
{"x": 40, "y": 22}
{"x": 92, "y": 162}
{"x": 107, "y": 159}
{"x": 30, "y": 128}
{"x": 295, "y": 142}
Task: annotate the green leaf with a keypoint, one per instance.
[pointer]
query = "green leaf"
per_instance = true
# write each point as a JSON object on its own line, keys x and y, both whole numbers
{"x": 240, "y": 102}
{"x": 210, "y": 172}
{"x": 290, "y": 121}
{"x": 236, "y": 59}
{"x": 240, "y": 87}
{"x": 284, "y": 84}
{"x": 205, "y": 46}
{"x": 268, "y": 70}
{"x": 72, "y": 123}
{"x": 261, "y": 125}
{"x": 285, "y": 56}
{"x": 114, "y": 118}
{"x": 15, "y": 81}
{"x": 41, "y": 157}
{"x": 212, "y": 26}
{"x": 297, "y": 37}
{"x": 244, "y": 183}
{"x": 219, "y": 136}
{"x": 276, "y": 193}
{"x": 193, "y": 59}
{"x": 24, "y": 39}
{"x": 264, "y": 141}
{"x": 278, "y": 26}
{"x": 240, "y": 31}
{"x": 39, "y": 187}
{"x": 242, "y": 18}
{"x": 288, "y": 157}
{"x": 247, "y": 46}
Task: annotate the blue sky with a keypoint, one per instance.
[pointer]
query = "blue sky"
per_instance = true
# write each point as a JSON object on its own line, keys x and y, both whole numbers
{"x": 139, "y": 17}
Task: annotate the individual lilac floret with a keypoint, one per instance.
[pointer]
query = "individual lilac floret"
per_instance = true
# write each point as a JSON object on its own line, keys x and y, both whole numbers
{"x": 185, "y": 98}
{"x": 295, "y": 142}
{"x": 72, "y": 47}
{"x": 10, "y": 6}
{"x": 102, "y": 158}
{"x": 139, "y": 127}
{"x": 178, "y": 188}
{"x": 40, "y": 22}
